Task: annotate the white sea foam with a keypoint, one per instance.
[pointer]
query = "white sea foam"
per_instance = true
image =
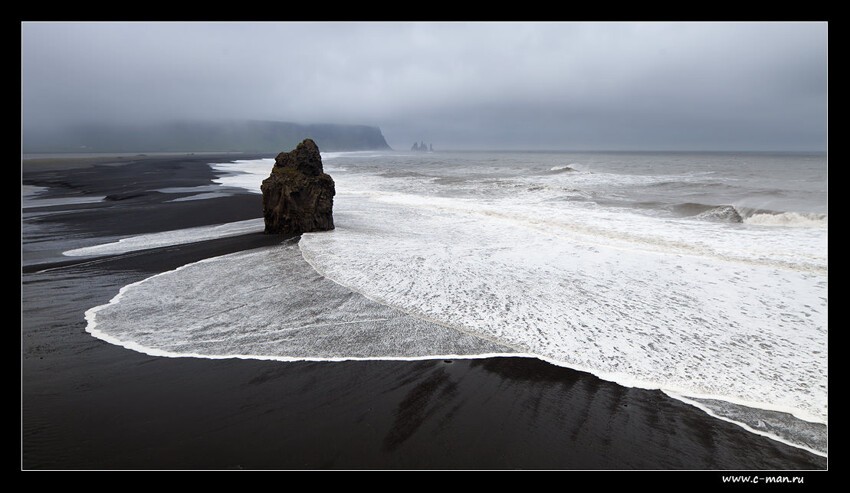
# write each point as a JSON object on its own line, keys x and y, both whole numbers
{"x": 168, "y": 238}
{"x": 352, "y": 154}
{"x": 778, "y": 425}
{"x": 566, "y": 167}
{"x": 723, "y": 213}
{"x": 249, "y": 174}
{"x": 789, "y": 219}
{"x": 708, "y": 312}
{"x": 268, "y": 304}
{"x": 660, "y": 316}
{"x": 245, "y": 174}
{"x": 631, "y": 301}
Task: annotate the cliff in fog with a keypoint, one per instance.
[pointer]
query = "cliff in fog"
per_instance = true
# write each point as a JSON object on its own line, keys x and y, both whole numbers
{"x": 248, "y": 136}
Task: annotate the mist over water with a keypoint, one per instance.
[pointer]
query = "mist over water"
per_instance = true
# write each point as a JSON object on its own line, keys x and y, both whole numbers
{"x": 704, "y": 275}
{"x": 569, "y": 85}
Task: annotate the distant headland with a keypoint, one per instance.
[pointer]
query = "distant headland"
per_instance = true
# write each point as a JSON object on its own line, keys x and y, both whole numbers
{"x": 230, "y": 136}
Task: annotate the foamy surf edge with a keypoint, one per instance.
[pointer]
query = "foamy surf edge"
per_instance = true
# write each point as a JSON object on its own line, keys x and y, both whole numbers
{"x": 789, "y": 219}
{"x": 91, "y": 328}
{"x": 745, "y": 426}
{"x": 169, "y": 238}
{"x": 624, "y": 380}
{"x": 621, "y": 379}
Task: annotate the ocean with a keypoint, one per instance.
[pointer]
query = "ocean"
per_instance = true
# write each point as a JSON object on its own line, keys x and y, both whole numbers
{"x": 704, "y": 275}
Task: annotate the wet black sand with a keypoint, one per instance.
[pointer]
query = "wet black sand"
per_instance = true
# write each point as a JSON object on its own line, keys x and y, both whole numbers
{"x": 89, "y": 405}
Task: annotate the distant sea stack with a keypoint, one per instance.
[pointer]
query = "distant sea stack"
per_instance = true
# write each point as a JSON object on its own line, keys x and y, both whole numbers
{"x": 298, "y": 195}
{"x": 422, "y": 147}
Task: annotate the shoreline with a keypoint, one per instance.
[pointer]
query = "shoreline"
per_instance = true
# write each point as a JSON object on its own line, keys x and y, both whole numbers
{"x": 66, "y": 161}
{"x": 123, "y": 409}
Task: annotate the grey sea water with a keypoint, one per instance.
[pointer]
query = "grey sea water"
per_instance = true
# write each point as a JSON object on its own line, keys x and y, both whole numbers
{"x": 700, "y": 274}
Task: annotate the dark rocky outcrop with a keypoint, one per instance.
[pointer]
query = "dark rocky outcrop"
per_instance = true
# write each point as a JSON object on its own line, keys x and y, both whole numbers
{"x": 298, "y": 195}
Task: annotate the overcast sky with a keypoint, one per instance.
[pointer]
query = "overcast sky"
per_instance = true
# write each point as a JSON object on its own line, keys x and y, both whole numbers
{"x": 574, "y": 86}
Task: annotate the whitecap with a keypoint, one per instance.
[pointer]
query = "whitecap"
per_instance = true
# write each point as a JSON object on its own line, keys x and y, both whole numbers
{"x": 789, "y": 219}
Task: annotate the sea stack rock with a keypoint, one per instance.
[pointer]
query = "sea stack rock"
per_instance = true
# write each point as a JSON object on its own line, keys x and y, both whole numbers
{"x": 298, "y": 195}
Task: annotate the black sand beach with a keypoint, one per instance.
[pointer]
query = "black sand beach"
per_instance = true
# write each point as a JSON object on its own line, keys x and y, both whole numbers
{"x": 87, "y": 404}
